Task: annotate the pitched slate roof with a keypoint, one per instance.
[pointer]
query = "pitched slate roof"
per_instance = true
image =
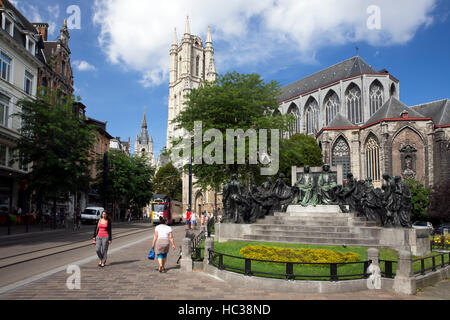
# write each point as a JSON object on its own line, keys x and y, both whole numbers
{"x": 393, "y": 108}
{"x": 344, "y": 69}
{"x": 340, "y": 122}
{"x": 439, "y": 111}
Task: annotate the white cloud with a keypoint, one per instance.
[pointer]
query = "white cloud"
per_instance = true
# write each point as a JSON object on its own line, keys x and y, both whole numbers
{"x": 138, "y": 36}
{"x": 83, "y": 65}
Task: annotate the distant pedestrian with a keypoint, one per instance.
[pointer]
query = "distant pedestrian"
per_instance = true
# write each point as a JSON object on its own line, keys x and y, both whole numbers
{"x": 161, "y": 241}
{"x": 103, "y": 237}
{"x": 194, "y": 220}
{"x": 188, "y": 219}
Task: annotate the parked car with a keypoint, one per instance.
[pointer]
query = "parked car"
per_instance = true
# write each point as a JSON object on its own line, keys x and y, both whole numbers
{"x": 91, "y": 214}
{"x": 440, "y": 228}
{"x": 423, "y": 225}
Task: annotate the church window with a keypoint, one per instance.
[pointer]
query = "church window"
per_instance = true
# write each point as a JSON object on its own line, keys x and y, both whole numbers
{"x": 354, "y": 107}
{"x": 341, "y": 154}
{"x": 375, "y": 96}
{"x": 312, "y": 116}
{"x": 197, "y": 65}
{"x": 392, "y": 91}
{"x": 373, "y": 159}
{"x": 332, "y": 106}
{"x": 294, "y": 126}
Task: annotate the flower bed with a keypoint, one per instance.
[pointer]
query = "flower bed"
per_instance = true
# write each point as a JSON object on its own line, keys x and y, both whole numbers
{"x": 303, "y": 255}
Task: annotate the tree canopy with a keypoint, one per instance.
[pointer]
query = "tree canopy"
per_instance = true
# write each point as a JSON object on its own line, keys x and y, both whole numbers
{"x": 234, "y": 101}
{"x": 56, "y": 142}
{"x": 168, "y": 181}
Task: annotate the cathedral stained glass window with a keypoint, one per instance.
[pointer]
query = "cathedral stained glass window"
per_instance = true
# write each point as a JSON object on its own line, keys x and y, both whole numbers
{"x": 332, "y": 106}
{"x": 340, "y": 154}
{"x": 375, "y": 96}
{"x": 354, "y": 107}
{"x": 373, "y": 159}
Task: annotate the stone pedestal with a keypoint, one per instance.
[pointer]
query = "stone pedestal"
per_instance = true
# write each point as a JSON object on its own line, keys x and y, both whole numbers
{"x": 186, "y": 259}
{"x": 404, "y": 281}
{"x": 414, "y": 240}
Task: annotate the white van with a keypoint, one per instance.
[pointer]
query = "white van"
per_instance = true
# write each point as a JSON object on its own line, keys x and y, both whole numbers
{"x": 92, "y": 214}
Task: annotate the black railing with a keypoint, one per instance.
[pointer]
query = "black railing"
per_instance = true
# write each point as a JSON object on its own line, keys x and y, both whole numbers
{"x": 386, "y": 267}
{"x": 195, "y": 242}
{"x": 431, "y": 264}
{"x": 217, "y": 259}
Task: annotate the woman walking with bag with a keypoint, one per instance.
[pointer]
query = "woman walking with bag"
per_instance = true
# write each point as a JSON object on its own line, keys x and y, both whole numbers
{"x": 102, "y": 238}
{"x": 161, "y": 241}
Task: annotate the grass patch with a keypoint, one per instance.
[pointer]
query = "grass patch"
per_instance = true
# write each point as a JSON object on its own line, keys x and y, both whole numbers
{"x": 308, "y": 272}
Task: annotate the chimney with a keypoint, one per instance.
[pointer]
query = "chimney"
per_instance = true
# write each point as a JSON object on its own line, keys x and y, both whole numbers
{"x": 42, "y": 28}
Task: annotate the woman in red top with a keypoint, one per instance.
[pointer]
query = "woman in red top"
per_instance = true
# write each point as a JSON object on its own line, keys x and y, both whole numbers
{"x": 103, "y": 238}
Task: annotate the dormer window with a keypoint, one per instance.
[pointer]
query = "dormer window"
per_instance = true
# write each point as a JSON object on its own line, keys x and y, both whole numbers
{"x": 8, "y": 25}
{"x": 30, "y": 45}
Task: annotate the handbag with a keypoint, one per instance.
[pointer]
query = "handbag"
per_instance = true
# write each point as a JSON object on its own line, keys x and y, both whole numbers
{"x": 151, "y": 254}
{"x": 93, "y": 241}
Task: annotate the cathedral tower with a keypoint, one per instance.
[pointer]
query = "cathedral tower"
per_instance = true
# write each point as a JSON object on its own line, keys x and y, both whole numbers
{"x": 191, "y": 63}
{"x": 144, "y": 143}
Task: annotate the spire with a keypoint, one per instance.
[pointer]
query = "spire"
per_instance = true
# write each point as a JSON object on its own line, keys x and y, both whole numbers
{"x": 64, "y": 35}
{"x": 187, "y": 30}
{"x": 144, "y": 122}
{"x": 208, "y": 37}
{"x": 175, "y": 40}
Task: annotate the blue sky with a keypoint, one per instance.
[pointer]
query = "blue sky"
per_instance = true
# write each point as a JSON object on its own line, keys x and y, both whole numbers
{"x": 120, "y": 55}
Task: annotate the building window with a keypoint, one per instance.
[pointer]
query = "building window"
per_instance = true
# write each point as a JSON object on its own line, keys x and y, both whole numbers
{"x": 197, "y": 65}
{"x": 63, "y": 68}
{"x": 341, "y": 155}
{"x": 312, "y": 118}
{"x": 8, "y": 25}
{"x": 4, "y": 112}
{"x": 3, "y": 155}
{"x": 375, "y": 96}
{"x": 5, "y": 66}
{"x": 30, "y": 46}
{"x": 28, "y": 83}
{"x": 294, "y": 126}
{"x": 392, "y": 91}
{"x": 332, "y": 106}
{"x": 373, "y": 159}
{"x": 354, "y": 108}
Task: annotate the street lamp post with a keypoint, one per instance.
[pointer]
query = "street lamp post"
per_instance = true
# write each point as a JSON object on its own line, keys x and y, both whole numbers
{"x": 190, "y": 185}
{"x": 105, "y": 178}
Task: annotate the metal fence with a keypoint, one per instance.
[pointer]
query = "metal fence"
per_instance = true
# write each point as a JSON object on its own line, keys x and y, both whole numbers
{"x": 217, "y": 259}
{"x": 387, "y": 268}
{"x": 431, "y": 264}
{"x": 195, "y": 242}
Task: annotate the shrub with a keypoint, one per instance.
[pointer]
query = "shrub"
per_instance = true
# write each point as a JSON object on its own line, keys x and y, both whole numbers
{"x": 303, "y": 255}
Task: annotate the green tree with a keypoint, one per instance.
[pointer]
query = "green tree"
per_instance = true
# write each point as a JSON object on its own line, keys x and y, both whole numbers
{"x": 142, "y": 186}
{"x": 420, "y": 200}
{"x": 234, "y": 101}
{"x": 299, "y": 150}
{"x": 56, "y": 142}
{"x": 168, "y": 181}
{"x": 128, "y": 180}
{"x": 440, "y": 202}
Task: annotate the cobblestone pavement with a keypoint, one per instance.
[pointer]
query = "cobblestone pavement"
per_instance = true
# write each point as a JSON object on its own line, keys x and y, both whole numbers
{"x": 130, "y": 275}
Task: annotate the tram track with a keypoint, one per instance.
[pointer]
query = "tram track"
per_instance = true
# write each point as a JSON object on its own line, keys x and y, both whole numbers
{"x": 118, "y": 236}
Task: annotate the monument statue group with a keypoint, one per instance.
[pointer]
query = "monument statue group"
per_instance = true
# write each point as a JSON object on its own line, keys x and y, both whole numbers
{"x": 389, "y": 206}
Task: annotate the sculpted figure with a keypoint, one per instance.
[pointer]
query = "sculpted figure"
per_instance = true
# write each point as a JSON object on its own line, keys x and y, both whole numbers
{"x": 404, "y": 212}
{"x": 372, "y": 203}
{"x": 232, "y": 199}
{"x": 282, "y": 194}
{"x": 255, "y": 204}
{"x": 306, "y": 189}
{"x": 266, "y": 198}
{"x": 348, "y": 193}
{"x": 325, "y": 187}
{"x": 389, "y": 200}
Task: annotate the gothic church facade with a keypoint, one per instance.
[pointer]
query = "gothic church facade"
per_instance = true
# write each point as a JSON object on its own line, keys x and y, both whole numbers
{"x": 356, "y": 116}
